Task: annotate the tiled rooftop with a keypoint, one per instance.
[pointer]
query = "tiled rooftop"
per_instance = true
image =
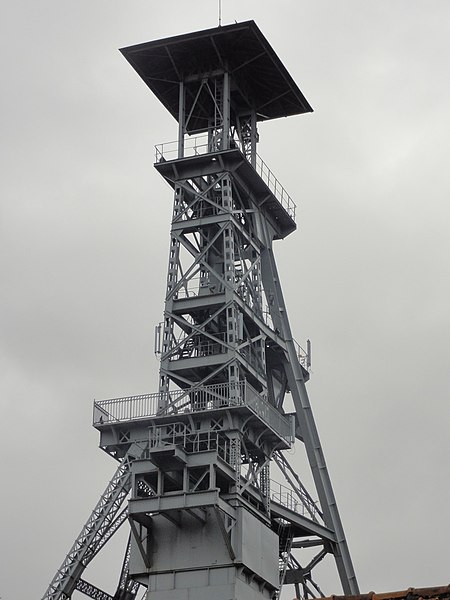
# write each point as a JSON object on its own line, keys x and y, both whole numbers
{"x": 430, "y": 593}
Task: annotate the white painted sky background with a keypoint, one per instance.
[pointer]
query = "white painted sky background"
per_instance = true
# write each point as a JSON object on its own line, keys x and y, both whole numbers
{"x": 84, "y": 228}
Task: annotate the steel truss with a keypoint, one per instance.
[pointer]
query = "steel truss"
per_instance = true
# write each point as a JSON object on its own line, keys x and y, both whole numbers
{"x": 201, "y": 449}
{"x": 225, "y": 319}
{"x": 225, "y": 312}
{"x": 92, "y": 591}
{"x": 104, "y": 521}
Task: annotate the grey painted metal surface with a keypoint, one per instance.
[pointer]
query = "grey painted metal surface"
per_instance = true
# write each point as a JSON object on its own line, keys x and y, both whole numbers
{"x": 207, "y": 519}
{"x": 103, "y": 522}
{"x": 92, "y": 591}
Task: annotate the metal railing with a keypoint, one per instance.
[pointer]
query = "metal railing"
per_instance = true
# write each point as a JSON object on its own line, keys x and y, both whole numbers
{"x": 286, "y": 496}
{"x": 179, "y": 434}
{"x": 197, "y": 145}
{"x": 269, "y": 414}
{"x": 193, "y": 146}
{"x": 127, "y": 408}
{"x": 196, "y": 286}
{"x": 192, "y": 442}
{"x": 304, "y": 356}
{"x": 275, "y": 187}
{"x": 209, "y": 397}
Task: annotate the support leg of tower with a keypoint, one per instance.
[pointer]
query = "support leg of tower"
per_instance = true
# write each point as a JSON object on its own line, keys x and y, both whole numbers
{"x": 94, "y": 531}
{"x": 309, "y": 432}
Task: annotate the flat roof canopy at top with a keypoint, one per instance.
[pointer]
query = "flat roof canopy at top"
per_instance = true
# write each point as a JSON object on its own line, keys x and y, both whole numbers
{"x": 259, "y": 80}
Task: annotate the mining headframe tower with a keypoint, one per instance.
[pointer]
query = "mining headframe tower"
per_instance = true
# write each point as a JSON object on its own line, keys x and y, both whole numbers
{"x": 207, "y": 522}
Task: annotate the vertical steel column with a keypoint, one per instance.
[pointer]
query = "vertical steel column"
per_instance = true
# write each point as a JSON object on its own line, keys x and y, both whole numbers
{"x": 235, "y": 457}
{"x": 264, "y": 484}
{"x": 172, "y": 279}
{"x": 308, "y": 429}
{"x": 253, "y": 139}
{"x": 181, "y": 119}
{"x": 226, "y": 112}
{"x": 230, "y": 279}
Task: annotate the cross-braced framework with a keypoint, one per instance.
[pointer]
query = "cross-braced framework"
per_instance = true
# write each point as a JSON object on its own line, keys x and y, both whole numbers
{"x": 196, "y": 456}
{"x": 105, "y": 520}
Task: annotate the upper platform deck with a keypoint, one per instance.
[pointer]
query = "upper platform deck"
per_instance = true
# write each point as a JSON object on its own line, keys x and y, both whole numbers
{"x": 259, "y": 181}
{"x": 164, "y": 407}
{"x": 260, "y": 81}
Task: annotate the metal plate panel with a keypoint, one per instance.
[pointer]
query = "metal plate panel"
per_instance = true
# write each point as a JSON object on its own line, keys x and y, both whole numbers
{"x": 259, "y": 547}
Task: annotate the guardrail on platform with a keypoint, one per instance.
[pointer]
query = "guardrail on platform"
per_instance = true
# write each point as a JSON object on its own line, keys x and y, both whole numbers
{"x": 208, "y": 397}
{"x": 286, "y": 496}
{"x": 197, "y": 145}
{"x": 304, "y": 356}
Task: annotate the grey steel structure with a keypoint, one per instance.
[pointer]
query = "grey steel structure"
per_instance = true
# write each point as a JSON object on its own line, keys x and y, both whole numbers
{"x": 207, "y": 521}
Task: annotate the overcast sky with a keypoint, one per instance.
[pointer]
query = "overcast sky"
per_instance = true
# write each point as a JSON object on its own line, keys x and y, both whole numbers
{"x": 84, "y": 226}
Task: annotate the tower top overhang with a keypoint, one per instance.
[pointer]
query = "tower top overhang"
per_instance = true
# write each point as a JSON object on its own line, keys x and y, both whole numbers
{"x": 259, "y": 80}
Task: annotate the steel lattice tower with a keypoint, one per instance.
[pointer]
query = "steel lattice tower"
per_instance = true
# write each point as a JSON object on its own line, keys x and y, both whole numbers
{"x": 207, "y": 522}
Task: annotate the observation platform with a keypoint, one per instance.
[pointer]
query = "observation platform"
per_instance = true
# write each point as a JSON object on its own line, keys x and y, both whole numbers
{"x": 180, "y": 405}
{"x": 258, "y": 182}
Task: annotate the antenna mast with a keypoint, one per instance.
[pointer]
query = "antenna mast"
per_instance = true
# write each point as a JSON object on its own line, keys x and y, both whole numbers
{"x": 220, "y": 13}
